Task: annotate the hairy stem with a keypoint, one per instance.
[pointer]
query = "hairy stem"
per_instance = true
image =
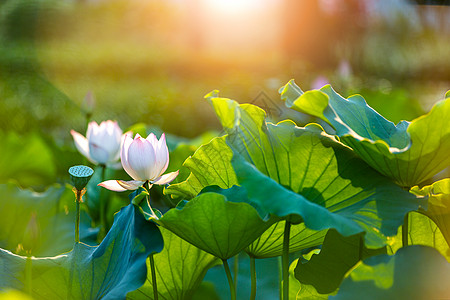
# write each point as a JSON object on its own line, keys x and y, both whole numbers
{"x": 102, "y": 203}
{"x": 28, "y": 274}
{"x": 405, "y": 229}
{"x": 253, "y": 278}
{"x": 230, "y": 279}
{"x": 236, "y": 270}
{"x": 280, "y": 278}
{"x": 285, "y": 260}
{"x": 77, "y": 218}
{"x": 147, "y": 187}
{"x": 153, "y": 270}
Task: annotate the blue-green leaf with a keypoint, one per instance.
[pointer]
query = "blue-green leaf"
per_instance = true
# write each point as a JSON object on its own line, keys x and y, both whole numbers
{"x": 409, "y": 152}
{"x": 108, "y": 271}
{"x": 180, "y": 268}
{"x": 439, "y": 204}
{"x": 215, "y": 224}
{"x": 297, "y": 173}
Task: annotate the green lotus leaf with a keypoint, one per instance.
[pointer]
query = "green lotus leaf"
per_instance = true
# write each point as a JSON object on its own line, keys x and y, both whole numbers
{"x": 302, "y": 291}
{"x": 409, "y": 152}
{"x": 41, "y": 223}
{"x": 414, "y": 272}
{"x": 216, "y": 225}
{"x": 209, "y": 166}
{"x": 108, "y": 271}
{"x": 422, "y": 230}
{"x": 438, "y": 204}
{"x": 294, "y": 284}
{"x": 180, "y": 268}
{"x": 299, "y": 173}
{"x": 326, "y": 270}
{"x": 307, "y": 292}
{"x": 270, "y": 243}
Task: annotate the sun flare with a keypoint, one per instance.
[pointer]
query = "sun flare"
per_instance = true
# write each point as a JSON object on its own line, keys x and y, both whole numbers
{"x": 232, "y": 6}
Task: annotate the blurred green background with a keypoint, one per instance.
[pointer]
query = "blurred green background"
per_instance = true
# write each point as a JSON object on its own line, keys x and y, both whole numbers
{"x": 152, "y": 62}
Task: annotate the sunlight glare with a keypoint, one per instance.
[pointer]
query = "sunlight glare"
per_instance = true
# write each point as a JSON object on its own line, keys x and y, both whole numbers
{"x": 232, "y": 6}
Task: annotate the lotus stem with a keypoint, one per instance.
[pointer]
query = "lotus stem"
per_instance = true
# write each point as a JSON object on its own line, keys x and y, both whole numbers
{"x": 285, "y": 260}
{"x": 230, "y": 279}
{"x": 236, "y": 270}
{"x": 147, "y": 187}
{"x": 28, "y": 274}
{"x": 102, "y": 208}
{"x": 78, "y": 194}
{"x": 405, "y": 229}
{"x": 153, "y": 270}
{"x": 361, "y": 247}
{"x": 253, "y": 278}
{"x": 280, "y": 278}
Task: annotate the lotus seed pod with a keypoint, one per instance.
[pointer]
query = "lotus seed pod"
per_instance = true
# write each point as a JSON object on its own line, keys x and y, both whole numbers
{"x": 80, "y": 176}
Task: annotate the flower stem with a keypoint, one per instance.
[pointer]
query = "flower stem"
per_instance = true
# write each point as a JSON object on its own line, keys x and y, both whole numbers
{"x": 405, "y": 230}
{"x": 230, "y": 279}
{"x": 236, "y": 270}
{"x": 147, "y": 187}
{"x": 102, "y": 207}
{"x": 253, "y": 278}
{"x": 28, "y": 276}
{"x": 153, "y": 270}
{"x": 280, "y": 278}
{"x": 285, "y": 260}
{"x": 77, "y": 219}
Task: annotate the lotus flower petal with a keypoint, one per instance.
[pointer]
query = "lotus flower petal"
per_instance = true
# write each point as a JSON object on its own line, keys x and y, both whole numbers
{"x": 102, "y": 142}
{"x": 152, "y": 139}
{"x": 141, "y": 158}
{"x": 121, "y": 185}
{"x": 82, "y": 145}
{"x": 144, "y": 160}
{"x": 162, "y": 155}
{"x": 112, "y": 185}
{"x": 130, "y": 185}
{"x": 124, "y": 156}
{"x": 166, "y": 178}
{"x": 98, "y": 152}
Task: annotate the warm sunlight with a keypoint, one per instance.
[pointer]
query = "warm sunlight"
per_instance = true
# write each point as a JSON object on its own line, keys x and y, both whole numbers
{"x": 233, "y": 6}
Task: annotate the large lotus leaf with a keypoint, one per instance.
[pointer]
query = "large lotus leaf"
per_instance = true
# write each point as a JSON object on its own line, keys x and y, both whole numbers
{"x": 307, "y": 292}
{"x": 180, "y": 268}
{"x": 439, "y": 204}
{"x": 270, "y": 243}
{"x": 209, "y": 166}
{"x": 108, "y": 271}
{"x": 421, "y": 231}
{"x": 14, "y": 295}
{"x": 26, "y": 159}
{"x": 326, "y": 270}
{"x": 407, "y": 152}
{"x": 414, "y": 272}
{"x": 302, "y": 291}
{"x": 216, "y": 225}
{"x": 299, "y": 172}
{"x": 40, "y": 222}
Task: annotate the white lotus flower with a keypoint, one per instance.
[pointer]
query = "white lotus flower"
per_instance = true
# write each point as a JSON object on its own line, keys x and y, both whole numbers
{"x": 144, "y": 160}
{"x": 102, "y": 142}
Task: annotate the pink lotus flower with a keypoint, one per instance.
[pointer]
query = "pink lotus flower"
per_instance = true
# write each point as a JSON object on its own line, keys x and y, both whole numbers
{"x": 102, "y": 142}
{"x": 144, "y": 160}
